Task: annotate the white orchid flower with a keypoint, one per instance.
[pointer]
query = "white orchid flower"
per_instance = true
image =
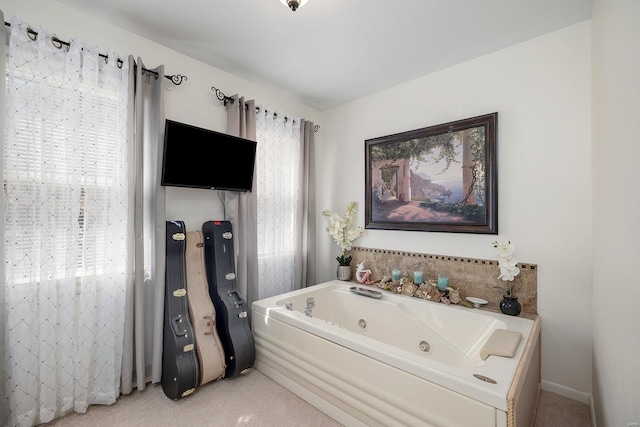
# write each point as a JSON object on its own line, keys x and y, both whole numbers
{"x": 505, "y": 250}
{"x": 508, "y": 273}
{"x": 507, "y": 264}
{"x": 341, "y": 228}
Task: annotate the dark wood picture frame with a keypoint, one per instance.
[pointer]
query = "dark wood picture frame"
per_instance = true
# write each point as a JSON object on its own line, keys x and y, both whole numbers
{"x": 440, "y": 178}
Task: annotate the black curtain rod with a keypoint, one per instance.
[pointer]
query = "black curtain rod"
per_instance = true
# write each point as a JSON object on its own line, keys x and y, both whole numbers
{"x": 275, "y": 114}
{"x": 176, "y": 79}
{"x": 227, "y": 99}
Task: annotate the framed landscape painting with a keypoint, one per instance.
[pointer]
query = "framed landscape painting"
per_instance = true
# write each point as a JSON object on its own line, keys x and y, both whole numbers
{"x": 439, "y": 178}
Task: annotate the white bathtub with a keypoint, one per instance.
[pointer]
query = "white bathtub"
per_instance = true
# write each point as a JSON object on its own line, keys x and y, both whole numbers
{"x": 396, "y": 360}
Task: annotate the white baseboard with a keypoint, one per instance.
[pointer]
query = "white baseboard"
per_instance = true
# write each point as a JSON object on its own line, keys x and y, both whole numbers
{"x": 592, "y": 407}
{"x": 566, "y": 392}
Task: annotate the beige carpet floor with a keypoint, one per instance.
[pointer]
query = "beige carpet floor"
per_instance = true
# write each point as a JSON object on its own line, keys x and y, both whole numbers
{"x": 248, "y": 400}
{"x": 255, "y": 400}
{"x": 559, "y": 411}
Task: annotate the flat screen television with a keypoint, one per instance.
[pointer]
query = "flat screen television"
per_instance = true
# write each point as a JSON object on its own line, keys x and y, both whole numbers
{"x": 201, "y": 158}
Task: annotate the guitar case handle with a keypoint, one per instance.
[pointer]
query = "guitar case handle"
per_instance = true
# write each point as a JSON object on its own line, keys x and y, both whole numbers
{"x": 175, "y": 325}
{"x": 239, "y": 302}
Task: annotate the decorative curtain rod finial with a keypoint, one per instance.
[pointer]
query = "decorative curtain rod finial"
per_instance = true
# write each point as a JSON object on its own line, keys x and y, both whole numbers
{"x": 221, "y": 96}
{"x": 177, "y": 79}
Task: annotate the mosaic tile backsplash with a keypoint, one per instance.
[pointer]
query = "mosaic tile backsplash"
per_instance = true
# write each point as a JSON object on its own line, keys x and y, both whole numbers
{"x": 473, "y": 277}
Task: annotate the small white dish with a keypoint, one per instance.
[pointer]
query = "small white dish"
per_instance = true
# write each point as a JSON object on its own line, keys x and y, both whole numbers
{"x": 477, "y": 302}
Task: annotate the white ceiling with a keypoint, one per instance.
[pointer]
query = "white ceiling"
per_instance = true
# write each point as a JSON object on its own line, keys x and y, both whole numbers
{"x": 333, "y": 51}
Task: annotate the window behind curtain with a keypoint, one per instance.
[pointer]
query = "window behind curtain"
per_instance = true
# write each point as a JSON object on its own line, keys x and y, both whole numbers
{"x": 278, "y": 179}
{"x": 77, "y": 161}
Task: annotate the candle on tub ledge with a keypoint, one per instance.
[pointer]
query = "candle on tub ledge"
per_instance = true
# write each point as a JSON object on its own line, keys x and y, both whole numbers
{"x": 418, "y": 277}
{"x": 395, "y": 275}
{"x": 443, "y": 282}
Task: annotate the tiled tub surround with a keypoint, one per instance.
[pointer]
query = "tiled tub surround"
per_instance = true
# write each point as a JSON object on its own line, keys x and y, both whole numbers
{"x": 473, "y": 277}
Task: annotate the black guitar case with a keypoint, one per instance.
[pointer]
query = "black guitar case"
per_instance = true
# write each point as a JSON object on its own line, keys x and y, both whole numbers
{"x": 232, "y": 319}
{"x": 180, "y": 366}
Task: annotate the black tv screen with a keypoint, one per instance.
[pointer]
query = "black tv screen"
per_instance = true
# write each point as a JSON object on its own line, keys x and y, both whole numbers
{"x": 201, "y": 158}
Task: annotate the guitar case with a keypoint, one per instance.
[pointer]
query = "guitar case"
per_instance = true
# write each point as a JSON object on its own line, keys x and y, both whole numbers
{"x": 203, "y": 314}
{"x": 232, "y": 318}
{"x": 180, "y": 367}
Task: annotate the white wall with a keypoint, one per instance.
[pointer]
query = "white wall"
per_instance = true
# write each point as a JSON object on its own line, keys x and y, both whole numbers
{"x": 616, "y": 228}
{"x": 541, "y": 90}
{"x": 192, "y": 102}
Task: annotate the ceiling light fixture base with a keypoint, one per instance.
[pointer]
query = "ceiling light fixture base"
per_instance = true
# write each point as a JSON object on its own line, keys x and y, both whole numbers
{"x": 293, "y": 4}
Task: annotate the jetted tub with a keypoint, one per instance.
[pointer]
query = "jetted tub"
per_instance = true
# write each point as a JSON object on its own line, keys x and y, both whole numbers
{"x": 396, "y": 360}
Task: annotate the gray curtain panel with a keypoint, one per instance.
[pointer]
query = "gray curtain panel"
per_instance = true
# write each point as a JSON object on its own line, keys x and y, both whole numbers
{"x": 241, "y": 208}
{"x": 4, "y": 401}
{"x": 305, "y": 260}
{"x": 142, "y": 358}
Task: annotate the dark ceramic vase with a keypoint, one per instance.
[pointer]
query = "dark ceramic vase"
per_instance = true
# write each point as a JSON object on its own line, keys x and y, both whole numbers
{"x": 510, "y": 305}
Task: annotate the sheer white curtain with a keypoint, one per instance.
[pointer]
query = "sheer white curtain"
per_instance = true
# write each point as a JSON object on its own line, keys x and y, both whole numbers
{"x": 65, "y": 227}
{"x": 278, "y": 169}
